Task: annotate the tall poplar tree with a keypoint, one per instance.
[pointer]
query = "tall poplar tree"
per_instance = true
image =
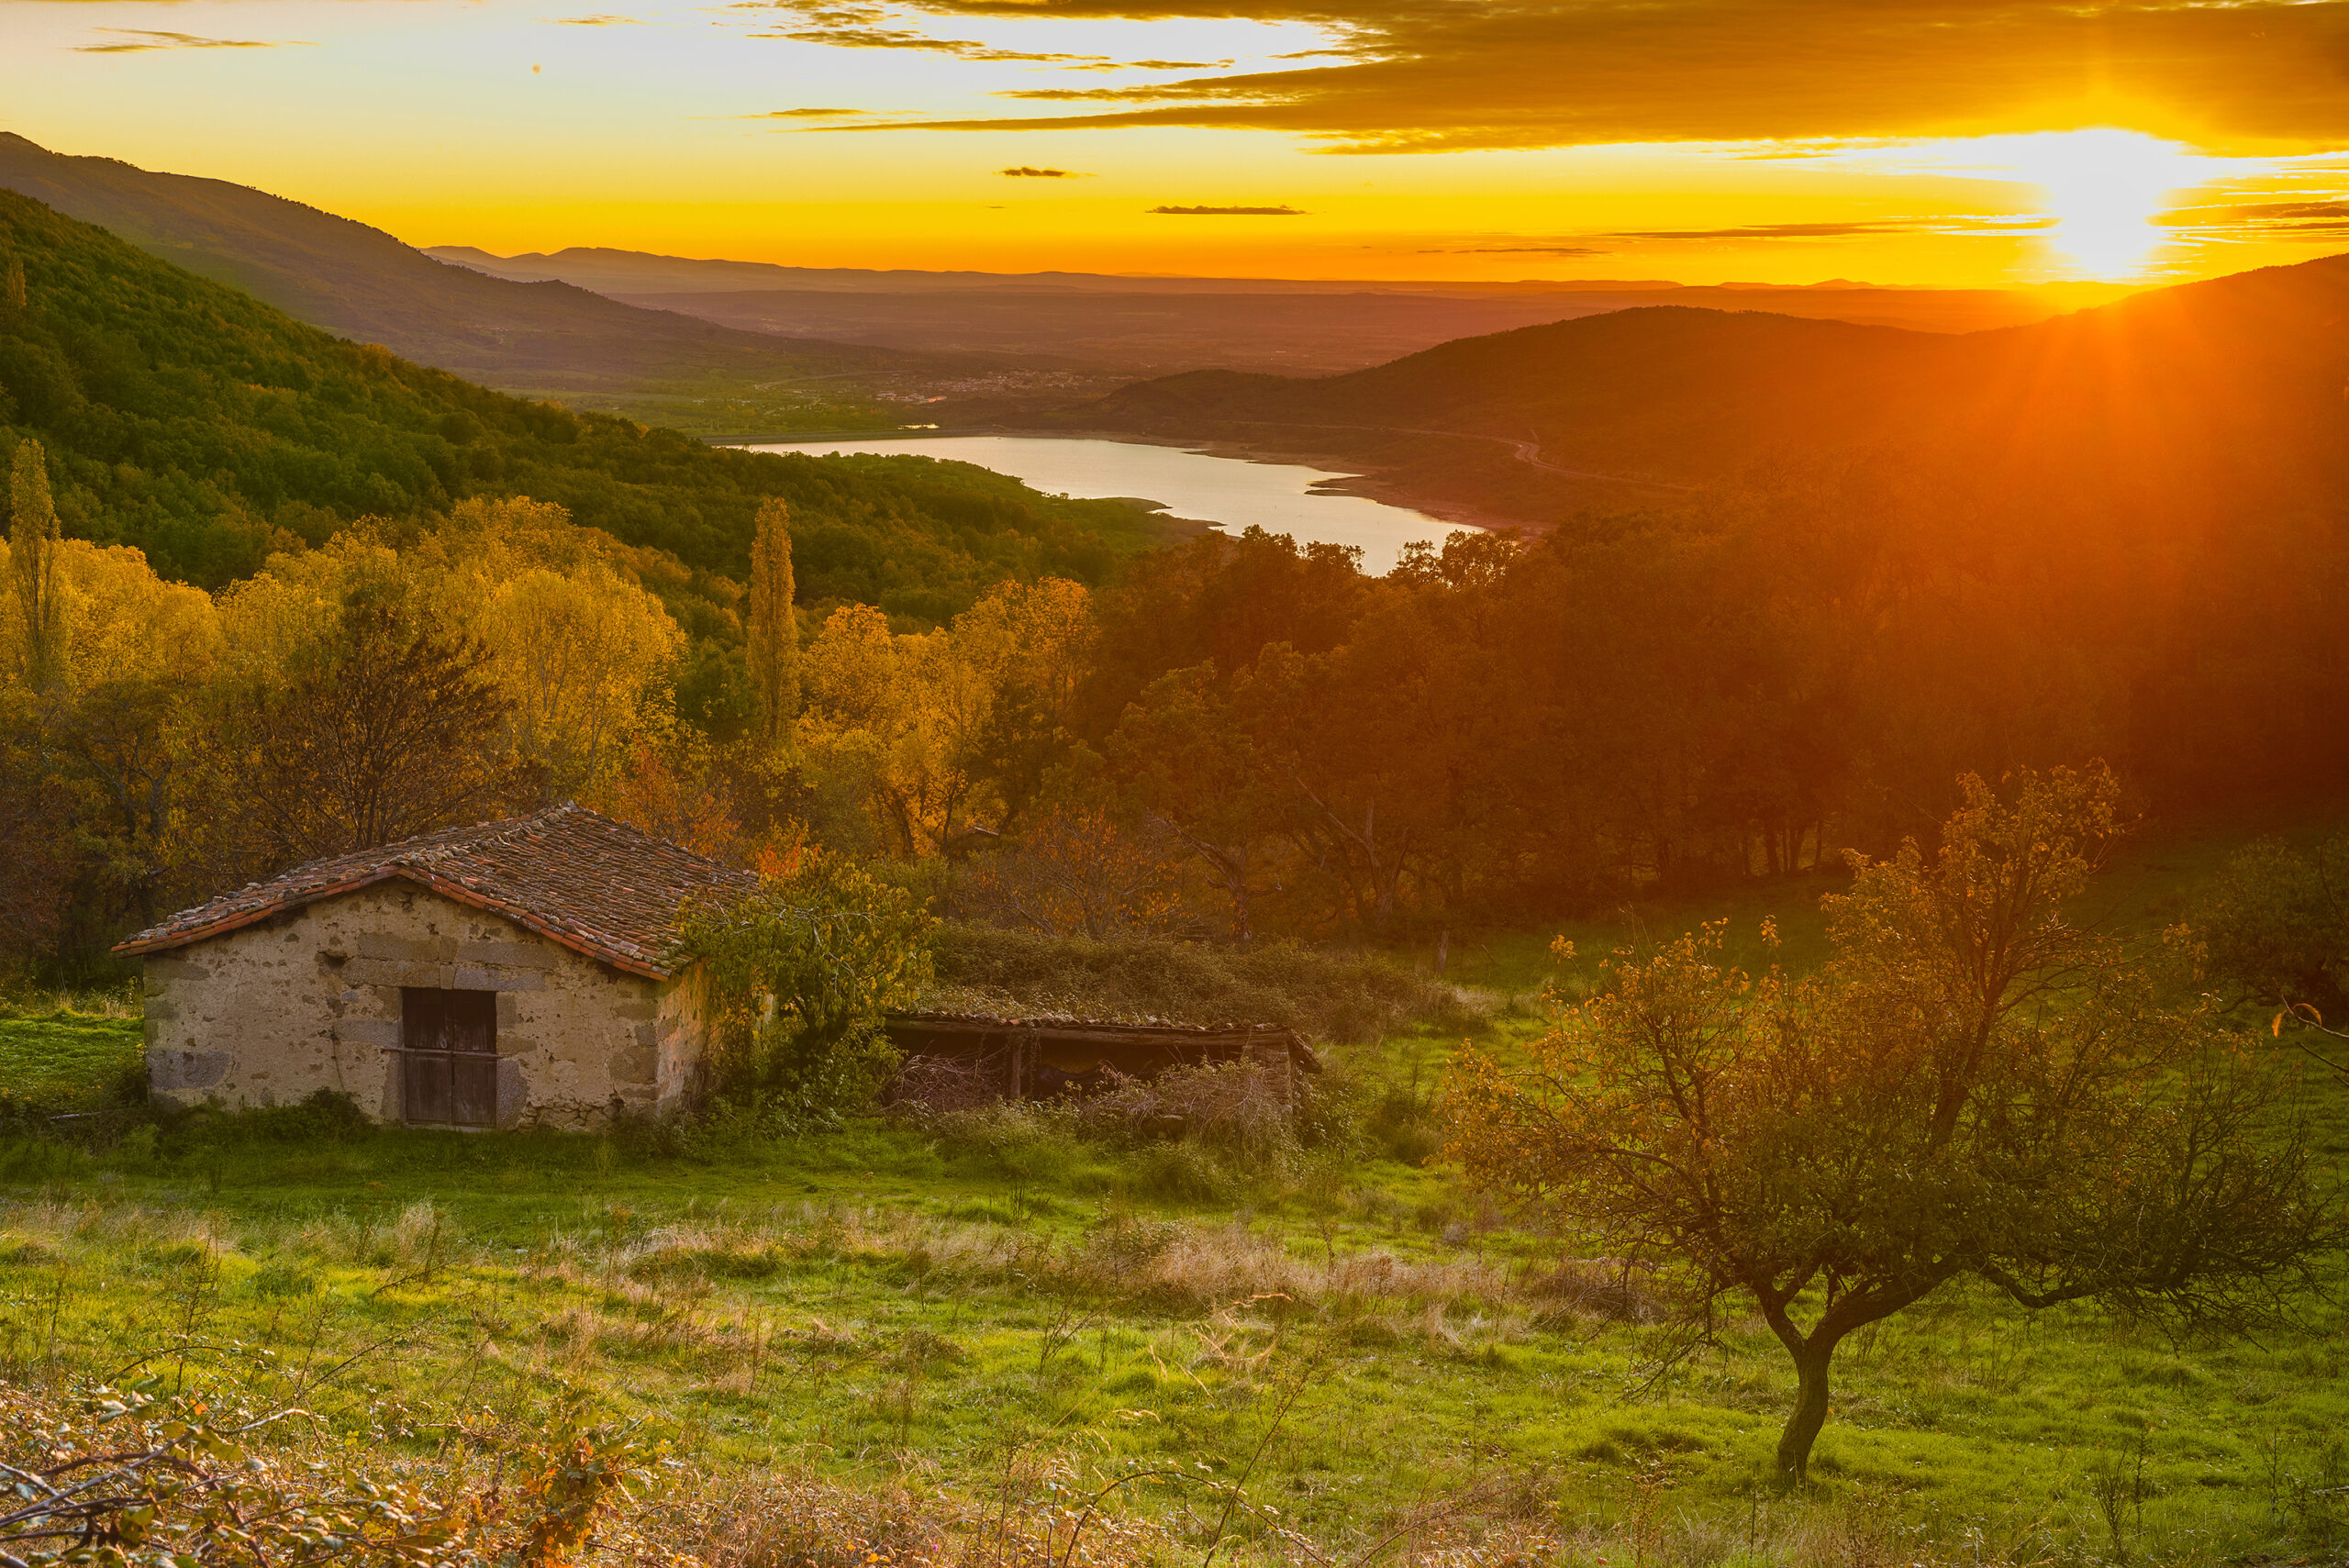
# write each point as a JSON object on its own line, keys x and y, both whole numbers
{"x": 38, "y": 566}
{"x": 774, "y": 630}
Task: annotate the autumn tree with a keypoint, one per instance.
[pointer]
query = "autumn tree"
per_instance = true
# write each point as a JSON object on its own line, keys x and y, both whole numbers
{"x": 383, "y": 728}
{"x": 36, "y": 562}
{"x": 1183, "y": 757}
{"x": 1078, "y": 872}
{"x": 1975, "y": 1086}
{"x": 773, "y": 627}
{"x": 584, "y": 659}
{"x": 943, "y": 738}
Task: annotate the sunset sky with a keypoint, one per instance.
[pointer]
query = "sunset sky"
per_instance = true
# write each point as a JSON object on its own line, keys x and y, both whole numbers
{"x": 1896, "y": 141}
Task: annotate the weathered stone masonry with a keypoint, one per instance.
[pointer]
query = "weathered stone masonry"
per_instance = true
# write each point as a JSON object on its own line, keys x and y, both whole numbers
{"x": 557, "y": 927}
{"x": 310, "y": 1000}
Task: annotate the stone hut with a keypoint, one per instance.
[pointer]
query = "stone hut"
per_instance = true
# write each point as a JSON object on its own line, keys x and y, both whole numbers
{"x": 515, "y": 972}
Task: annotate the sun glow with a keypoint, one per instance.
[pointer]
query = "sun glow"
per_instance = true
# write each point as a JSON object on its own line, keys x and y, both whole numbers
{"x": 2102, "y": 190}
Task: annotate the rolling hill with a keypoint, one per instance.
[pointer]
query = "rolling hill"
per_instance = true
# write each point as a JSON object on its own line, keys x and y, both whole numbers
{"x": 361, "y": 283}
{"x": 208, "y": 429}
{"x": 1155, "y": 326}
{"x": 2228, "y": 391}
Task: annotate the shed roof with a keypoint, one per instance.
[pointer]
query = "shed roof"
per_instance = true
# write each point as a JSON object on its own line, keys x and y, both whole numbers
{"x": 574, "y": 876}
{"x": 1159, "y": 1033}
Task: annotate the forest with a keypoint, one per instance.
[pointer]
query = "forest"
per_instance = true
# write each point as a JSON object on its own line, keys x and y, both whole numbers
{"x": 1008, "y": 697}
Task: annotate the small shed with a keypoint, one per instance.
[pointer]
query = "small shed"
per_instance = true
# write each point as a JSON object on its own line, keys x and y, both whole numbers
{"x": 514, "y": 972}
{"x": 1035, "y": 1058}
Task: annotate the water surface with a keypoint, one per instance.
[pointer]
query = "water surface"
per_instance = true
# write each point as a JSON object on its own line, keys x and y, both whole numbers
{"x": 1275, "y": 496}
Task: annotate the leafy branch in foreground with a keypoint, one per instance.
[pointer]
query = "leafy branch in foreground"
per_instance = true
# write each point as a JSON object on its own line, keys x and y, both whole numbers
{"x": 1975, "y": 1086}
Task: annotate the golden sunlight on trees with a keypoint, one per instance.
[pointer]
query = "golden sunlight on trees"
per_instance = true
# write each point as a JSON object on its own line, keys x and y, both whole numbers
{"x": 1974, "y": 1086}
{"x": 940, "y": 737}
{"x": 773, "y": 627}
{"x": 585, "y": 659}
{"x": 157, "y": 742}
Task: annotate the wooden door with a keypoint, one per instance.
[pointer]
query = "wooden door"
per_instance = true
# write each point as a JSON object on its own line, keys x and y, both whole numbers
{"x": 449, "y": 1057}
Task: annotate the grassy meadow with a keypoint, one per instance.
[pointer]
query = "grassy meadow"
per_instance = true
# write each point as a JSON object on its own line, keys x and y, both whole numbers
{"x": 884, "y": 1331}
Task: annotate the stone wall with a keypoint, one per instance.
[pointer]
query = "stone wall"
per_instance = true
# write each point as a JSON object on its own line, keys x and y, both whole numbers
{"x": 310, "y": 1000}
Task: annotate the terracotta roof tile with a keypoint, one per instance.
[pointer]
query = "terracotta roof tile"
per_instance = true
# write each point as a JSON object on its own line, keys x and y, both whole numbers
{"x": 574, "y": 876}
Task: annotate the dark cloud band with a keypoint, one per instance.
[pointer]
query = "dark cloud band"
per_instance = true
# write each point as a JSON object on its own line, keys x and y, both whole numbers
{"x": 1432, "y": 74}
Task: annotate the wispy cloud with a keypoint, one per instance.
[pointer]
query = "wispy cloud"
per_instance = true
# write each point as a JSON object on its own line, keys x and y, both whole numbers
{"x": 1154, "y": 65}
{"x": 811, "y": 114}
{"x": 2263, "y": 220}
{"x": 1028, "y": 171}
{"x": 1426, "y": 75}
{"x": 897, "y": 37}
{"x": 138, "y": 41}
{"x": 598, "y": 21}
{"x": 1515, "y": 250}
{"x": 1603, "y": 243}
{"x": 1229, "y": 211}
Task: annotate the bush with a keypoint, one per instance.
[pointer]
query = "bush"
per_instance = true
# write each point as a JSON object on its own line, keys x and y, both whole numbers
{"x": 1328, "y": 996}
{"x": 800, "y": 972}
{"x": 2276, "y": 922}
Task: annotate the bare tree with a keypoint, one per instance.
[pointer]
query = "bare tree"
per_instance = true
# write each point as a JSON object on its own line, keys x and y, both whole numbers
{"x": 382, "y": 730}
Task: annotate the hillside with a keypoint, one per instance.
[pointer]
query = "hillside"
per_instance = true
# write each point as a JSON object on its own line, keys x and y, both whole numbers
{"x": 1155, "y": 326}
{"x": 208, "y": 428}
{"x": 361, "y": 283}
{"x": 2156, "y": 395}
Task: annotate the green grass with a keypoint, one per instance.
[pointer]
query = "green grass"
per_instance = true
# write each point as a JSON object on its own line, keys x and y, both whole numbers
{"x": 883, "y": 1305}
{"x": 66, "y": 1061}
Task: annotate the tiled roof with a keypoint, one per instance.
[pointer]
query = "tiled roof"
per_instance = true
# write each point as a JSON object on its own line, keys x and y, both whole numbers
{"x": 574, "y": 876}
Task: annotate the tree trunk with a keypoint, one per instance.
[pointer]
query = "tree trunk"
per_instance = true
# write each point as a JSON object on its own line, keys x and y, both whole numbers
{"x": 1809, "y": 1413}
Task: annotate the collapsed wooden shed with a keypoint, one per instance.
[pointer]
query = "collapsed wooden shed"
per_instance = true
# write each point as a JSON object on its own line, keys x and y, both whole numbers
{"x": 1039, "y": 1058}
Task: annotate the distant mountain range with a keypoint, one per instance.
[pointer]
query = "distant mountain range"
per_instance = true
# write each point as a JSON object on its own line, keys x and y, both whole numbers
{"x": 362, "y": 284}
{"x": 1148, "y": 326}
{"x": 2232, "y": 388}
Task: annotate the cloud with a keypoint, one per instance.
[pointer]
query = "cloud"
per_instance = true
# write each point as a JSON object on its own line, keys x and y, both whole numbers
{"x": 1517, "y": 250}
{"x": 1600, "y": 244}
{"x": 1423, "y": 76}
{"x": 138, "y": 41}
{"x": 1807, "y": 230}
{"x": 1026, "y": 172}
{"x": 2263, "y": 220}
{"x": 898, "y": 37}
{"x": 1229, "y": 211}
{"x": 1155, "y": 65}
{"x": 803, "y": 114}
{"x": 600, "y": 21}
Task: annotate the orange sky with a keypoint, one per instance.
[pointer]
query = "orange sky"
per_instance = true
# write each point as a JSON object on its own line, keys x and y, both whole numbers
{"x": 1771, "y": 141}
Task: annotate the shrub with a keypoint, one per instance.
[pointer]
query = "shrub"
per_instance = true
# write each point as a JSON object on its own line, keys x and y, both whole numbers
{"x": 800, "y": 972}
{"x": 2276, "y": 922}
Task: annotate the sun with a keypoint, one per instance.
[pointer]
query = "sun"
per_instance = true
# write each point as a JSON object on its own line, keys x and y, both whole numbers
{"x": 2102, "y": 190}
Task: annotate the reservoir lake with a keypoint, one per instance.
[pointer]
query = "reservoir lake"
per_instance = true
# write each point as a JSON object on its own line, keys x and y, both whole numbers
{"x": 1277, "y": 497}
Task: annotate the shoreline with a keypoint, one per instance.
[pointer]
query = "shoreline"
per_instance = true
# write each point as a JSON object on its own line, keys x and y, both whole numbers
{"x": 1345, "y": 480}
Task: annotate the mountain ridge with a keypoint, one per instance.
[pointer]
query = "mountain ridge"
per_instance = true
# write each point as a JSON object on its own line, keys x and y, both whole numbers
{"x": 362, "y": 284}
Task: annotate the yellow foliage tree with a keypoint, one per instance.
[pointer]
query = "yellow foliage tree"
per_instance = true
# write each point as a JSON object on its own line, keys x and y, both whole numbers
{"x": 929, "y": 733}
{"x": 585, "y": 657}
